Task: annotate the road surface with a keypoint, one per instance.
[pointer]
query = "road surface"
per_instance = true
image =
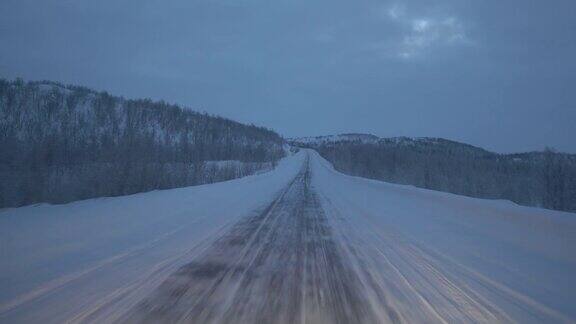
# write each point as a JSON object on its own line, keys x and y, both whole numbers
{"x": 300, "y": 244}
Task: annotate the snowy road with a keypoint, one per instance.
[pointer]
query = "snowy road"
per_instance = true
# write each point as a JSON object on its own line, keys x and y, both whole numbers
{"x": 300, "y": 244}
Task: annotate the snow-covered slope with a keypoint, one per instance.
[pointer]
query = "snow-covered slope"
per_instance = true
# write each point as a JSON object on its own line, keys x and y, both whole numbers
{"x": 376, "y": 252}
{"x": 65, "y": 143}
{"x": 541, "y": 179}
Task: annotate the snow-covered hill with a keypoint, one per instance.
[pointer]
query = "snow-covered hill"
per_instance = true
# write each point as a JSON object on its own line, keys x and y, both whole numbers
{"x": 63, "y": 143}
{"x": 358, "y": 138}
{"x": 544, "y": 179}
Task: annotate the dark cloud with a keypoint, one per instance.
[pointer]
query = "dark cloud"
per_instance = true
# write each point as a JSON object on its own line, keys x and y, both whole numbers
{"x": 491, "y": 73}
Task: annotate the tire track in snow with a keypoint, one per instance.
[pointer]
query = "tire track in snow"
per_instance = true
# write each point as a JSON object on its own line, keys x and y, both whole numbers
{"x": 430, "y": 286}
{"x": 282, "y": 265}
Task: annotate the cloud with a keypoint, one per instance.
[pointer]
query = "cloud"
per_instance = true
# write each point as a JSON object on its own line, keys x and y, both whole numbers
{"x": 421, "y": 34}
{"x": 395, "y": 12}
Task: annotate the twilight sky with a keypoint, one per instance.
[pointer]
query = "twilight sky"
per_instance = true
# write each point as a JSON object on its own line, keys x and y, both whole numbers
{"x": 497, "y": 74}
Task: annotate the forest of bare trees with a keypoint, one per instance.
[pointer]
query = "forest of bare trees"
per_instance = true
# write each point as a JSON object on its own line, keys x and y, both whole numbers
{"x": 544, "y": 179}
{"x": 63, "y": 143}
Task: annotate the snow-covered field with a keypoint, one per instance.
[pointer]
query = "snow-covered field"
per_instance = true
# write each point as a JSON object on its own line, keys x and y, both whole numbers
{"x": 346, "y": 249}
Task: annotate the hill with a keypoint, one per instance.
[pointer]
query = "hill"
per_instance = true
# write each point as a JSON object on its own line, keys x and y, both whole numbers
{"x": 542, "y": 179}
{"x": 62, "y": 143}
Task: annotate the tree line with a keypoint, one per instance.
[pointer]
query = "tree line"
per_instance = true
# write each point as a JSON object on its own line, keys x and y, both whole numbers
{"x": 543, "y": 179}
{"x": 62, "y": 143}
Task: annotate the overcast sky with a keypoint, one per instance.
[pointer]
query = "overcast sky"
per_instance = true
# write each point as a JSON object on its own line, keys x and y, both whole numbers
{"x": 497, "y": 74}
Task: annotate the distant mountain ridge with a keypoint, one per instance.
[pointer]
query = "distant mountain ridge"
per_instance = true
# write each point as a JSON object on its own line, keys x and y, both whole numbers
{"x": 373, "y": 139}
{"x": 409, "y": 141}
